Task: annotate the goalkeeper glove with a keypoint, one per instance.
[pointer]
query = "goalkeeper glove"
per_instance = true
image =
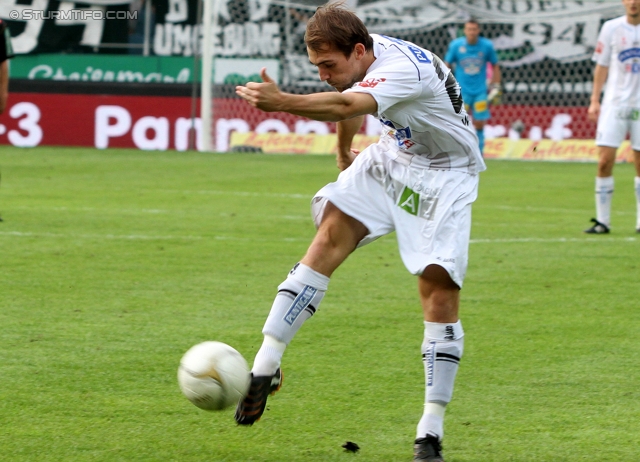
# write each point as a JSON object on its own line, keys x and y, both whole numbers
{"x": 495, "y": 94}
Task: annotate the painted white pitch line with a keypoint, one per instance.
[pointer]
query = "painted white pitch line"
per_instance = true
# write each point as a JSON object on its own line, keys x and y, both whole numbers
{"x": 90, "y": 209}
{"x": 249, "y": 194}
{"x": 547, "y": 209}
{"x": 557, "y": 239}
{"x": 99, "y": 236}
{"x": 152, "y": 211}
{"x": 293, "y": 239}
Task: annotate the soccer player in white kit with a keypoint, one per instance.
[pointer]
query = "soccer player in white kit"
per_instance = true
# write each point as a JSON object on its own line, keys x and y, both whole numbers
{"x": 617, "y": 58}
{"x": 419, "y": 180}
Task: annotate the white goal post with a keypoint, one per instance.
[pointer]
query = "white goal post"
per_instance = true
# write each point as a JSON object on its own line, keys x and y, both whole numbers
{"x": 206, "y": 99}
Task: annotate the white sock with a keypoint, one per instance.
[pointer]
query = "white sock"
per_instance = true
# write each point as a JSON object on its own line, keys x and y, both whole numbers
{"x": 604, "y": 193}
{"x": 636, "y": 184}
{"x": 298, "y": 298}
{"x": 268, "y": 359}
{"x": 432, "y": 421}
{"x": 441, "y": 352}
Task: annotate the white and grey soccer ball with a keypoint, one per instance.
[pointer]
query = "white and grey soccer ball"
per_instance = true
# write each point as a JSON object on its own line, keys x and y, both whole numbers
{"x": 213, "y": 376}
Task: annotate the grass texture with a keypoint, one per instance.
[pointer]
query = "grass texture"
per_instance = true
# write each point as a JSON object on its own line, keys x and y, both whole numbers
{"x": 113, "y": 263}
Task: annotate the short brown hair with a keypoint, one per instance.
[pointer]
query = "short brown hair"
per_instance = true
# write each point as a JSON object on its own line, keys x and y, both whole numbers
{"x": 333, "y": 26}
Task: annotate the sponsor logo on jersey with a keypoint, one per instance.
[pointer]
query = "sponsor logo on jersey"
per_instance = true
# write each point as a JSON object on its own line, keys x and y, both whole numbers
{"x": 629, "y": 54}
{"x": 632, "y": 68}
{"x": 402, "y": 135}
{"x": 471, "y": 65}
{"x": 599, "y": 47}
{"x": 419, "y": 53}
{"x": 370, "y": 83}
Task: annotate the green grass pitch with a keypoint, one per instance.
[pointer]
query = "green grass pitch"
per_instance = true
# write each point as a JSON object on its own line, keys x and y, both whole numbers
{"x": 113, "y": 263}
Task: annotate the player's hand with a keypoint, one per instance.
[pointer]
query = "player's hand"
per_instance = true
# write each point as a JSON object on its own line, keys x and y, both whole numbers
{"x": 495, "y": 94}
{"x": 264, "y": 95}
{"x": 345, "y": 158}
{"x": 593, "y": 112}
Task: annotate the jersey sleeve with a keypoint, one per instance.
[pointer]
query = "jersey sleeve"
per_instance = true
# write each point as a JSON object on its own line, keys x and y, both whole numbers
{"x": 389, "y": 85}
{"x": 602, "y": 53}
{"x": 492, "y": 56}
{"x": 450, "y": 57}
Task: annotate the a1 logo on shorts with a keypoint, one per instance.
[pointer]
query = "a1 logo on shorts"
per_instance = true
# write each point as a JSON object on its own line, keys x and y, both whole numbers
{"x": 420, "y": 205}
{"x": 628, "y": 114}
{"x": 409, "y": 201}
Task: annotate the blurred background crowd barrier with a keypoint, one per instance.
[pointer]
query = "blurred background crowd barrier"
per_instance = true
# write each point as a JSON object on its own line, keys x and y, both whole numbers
{"x": 133, "y": 74}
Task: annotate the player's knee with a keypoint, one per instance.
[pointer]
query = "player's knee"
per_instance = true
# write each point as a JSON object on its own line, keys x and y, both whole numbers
{"x": 435, "y": 276}
{"x": 606, "y": 160}
{"x": 439, "y": 294}
{"x": 330, "y": 247}
{"x": 605, "y": 167}
{"x": 328, "y": 239}
{"x": 339, "y": 231}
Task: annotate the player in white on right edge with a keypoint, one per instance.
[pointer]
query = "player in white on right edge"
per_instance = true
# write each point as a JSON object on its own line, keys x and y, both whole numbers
{"x": 419, "y": 180}
{"x": 617, "y": 58}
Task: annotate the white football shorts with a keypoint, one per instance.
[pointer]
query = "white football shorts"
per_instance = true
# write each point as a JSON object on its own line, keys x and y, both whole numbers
{"x": 614, "y": 123}
{"x": 430, "y": 210}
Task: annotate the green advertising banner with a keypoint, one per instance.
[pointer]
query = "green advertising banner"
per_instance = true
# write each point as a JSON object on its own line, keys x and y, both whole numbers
{"x": 103, "y": 68}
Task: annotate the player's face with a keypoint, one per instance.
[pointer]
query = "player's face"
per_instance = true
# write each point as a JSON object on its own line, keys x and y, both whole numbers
{"x": 632, "y": 8}
{"x": 472, "y": 32}
{"x": 336, "y": 69}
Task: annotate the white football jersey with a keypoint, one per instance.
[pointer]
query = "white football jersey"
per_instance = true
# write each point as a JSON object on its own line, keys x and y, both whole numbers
{"x": 420, "y": 106}
{"x": 618, "y": 49}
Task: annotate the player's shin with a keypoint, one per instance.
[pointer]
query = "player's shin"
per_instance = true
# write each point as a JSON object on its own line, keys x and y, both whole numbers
{"x": 298, "y": 298}
{"x": 441, "y": 352}
{"x": 604, "y": 195}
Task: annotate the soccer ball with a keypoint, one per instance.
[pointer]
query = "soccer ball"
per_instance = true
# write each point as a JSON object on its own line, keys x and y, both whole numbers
{"x": 213, "y": 376}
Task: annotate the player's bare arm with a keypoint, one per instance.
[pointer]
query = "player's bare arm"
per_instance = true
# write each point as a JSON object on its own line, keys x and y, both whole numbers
{"x": 599, "y": 78}
{"x": 346, "y": 130}
{"x": 328, "y": 106}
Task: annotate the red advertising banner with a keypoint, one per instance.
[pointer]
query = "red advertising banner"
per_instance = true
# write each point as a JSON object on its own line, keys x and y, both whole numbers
{"x": 49, "y": 119}
{"x": 160, "y": 123}
{"x": 538, "y": 122}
